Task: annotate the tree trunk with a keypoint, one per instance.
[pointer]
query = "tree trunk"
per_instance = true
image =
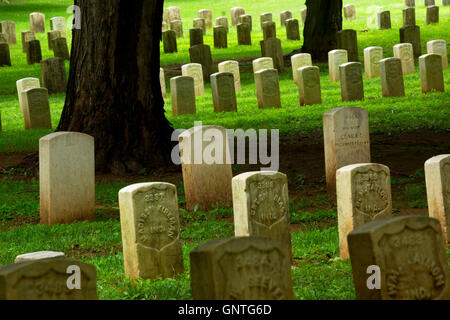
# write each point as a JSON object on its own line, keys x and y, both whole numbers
{"x": 323, "y": 20}
{"x": 113, "y": 93}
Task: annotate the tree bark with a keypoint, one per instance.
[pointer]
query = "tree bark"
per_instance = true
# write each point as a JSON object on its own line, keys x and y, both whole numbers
{"x": 113, "y": 92}
{"x": 323, "y": 20}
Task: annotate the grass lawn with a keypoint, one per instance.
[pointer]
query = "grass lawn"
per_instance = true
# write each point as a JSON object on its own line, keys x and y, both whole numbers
{"x": 317, "y": 272}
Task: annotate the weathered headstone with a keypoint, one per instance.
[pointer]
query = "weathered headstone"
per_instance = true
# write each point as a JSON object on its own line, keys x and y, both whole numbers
{"x": 409, "y": 255}
{"x": 411, "y": 34}
{"x": 66, "y": 178}
{"x": 346, "y": 140}
{"x": 372, "y": 57}
{"x": 36, "y": 109}
{"x": 409, "y": 16}
{"x": 410, "y": 3}
{"x": 150, "y": 230}
{"x": 207, "y": 15}
{"x": 439, "y": 47}
{"x": 384, "y": 20}
{"x": 437, "y": 177}
{"x": 309, "y": 85}
{"x": 60, "y": 48}
{"x": 431, "y": 73}
{"x": 27, "y": 36}
{"x": 244, "y": 34}
{"x": 200, "y": 24}
{"x": 352, "y": 86}
{"x": 292, "y": 29}
{"x": 195, "y": 71}
{"x": 220, "y": 37}
{"x": 54, "y": 75}
{"x": 233, "y": 67}
{"x": 183, "y": 95}
{"x": 429, "y": 3}
{"x": 9, "y": 28}
{"x": 404, "y": 51}
{"x": 300, "y": 60}
{"x": 267, "y": 88}
{"x": 269, "y": 30}
{"x": 201, "y": 54}
{"x": 206, "y": 166}
{"x": 284, "y": 16}
{"x": 169, "y": 41}
{"x": 363, "y": 195}
{"x": 243, "y": 268}
{"x": 349, "y": 11}
{"x": 48, "y": 279}
{"x": 246, "y": 18}
{"x": 37, "y": 22}
{"x": 162, "y": 82}
{"x": 39, "y": 255}
{"x": 272, "y": 48}
{"x": 173, "y": 13}
{"x": 335, "y": 59}
{"x": 34, "y": 52}
{"x": 391, "y": 75}
{"x": 304, "y": 13}
{"x": 262, "y": 63}
{"x": 223, "y": 92}
{"x": 5, "y": 56}
{"x": 432, "y": 14}
{"x": 223, "y": 21}
{"x": 58, "y": 24}
{"x": 177, "y": 26}
{"x": 265, "y": 17}
{"x": 236, "y": 12}
{"x": 347, "y": 40}
{"x": 52, "y": 35}
{"x": 24, "y": 84}
{"x": 195, "y": 36}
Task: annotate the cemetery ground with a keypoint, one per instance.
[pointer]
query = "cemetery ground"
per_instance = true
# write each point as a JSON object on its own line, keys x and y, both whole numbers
{"x": 405, "y": 132}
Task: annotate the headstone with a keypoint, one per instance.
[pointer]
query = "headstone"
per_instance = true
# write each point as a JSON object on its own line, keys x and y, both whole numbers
{"x": 363, "y": 195}
{"x": 233, "y": 67}
{"x": 346, "y": 140}
{"x": 244, "y": 34}
{"x": 223, "y": 92}
{"x": 236, "y": 12}
{"x": 195, "y": 36}
{"x": 36, "y": 109}
{"x": 207, "y": 15}
{"x": 48, "y": 279}
{"x": 409, "y": 255}
{"x": 267, "y": 88}
{"x": 269, "y": 30}
{"x": 272, "y": 48}
{"x": 262, "y": 63}
{"x": 183, "y": 95}
{"x": 404, "y": 51}
{"x": 284, "y": 16}
{"x": 409, "y": 16}
{"x": 162, "y": 82}
{"x": 384, "y": 20}
{"x": 245, "y": 18}
{"x": 429, "y": 3}
{"x": 5, "y": 57}
{"x": 265, "y": 17}
{"x": 169, "y": 41}
{"x": 195, "y": 71}
{"x": 177, "y": 26}
{"x": 223, "y": 21}
{"x": 309, "y": 85}
{"x": 66, "y": 177}
{"x": 349, "y": 11}
{"x": 347, "y": 40}
{"x": 34, "y": 53}
{"x": 220, "y": 37}
{"x": 446, "y": 2}
{"x": 410, "y": 3}
{"x": 58, "y": 24}
{"x": 9, "y": 28}
{"x": 201, "y": 54}
{"x": 372, "y": 57}
{"x": 432, "y": 14}
{"x": 173, "y": 13}
{"x": 300, "y": 60}
{"x": 431, "y": 73}
{"x": 60, "y": 48}
{"x": 304, "y": 13}
{"x": 54, "y": 75}
{"x": 206, "y": 166}
{"x": 52, "y": 35}
{"x": 24, "y": 84}
{"x": 150, "y": 230}
{"x": 335, "y": 59}
{"x": 200, "y": 24}
{"x": 352, "y": 86}
{"x": 411, "y": 34}
{"x": 241, "y": 268}
{"x": 261, "y": 205}
{"x": 439, "y": 47}
{"x": 391, "y": 75}
{"x": 292, "y": 29}
{"x": 37, "y": 22}
{"x": 40, "y": 255}
{"x": 437, "y": 177}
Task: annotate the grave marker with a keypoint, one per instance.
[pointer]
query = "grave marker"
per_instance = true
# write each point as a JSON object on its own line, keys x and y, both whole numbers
{"x": 36, "y": 109}
{"x": 372, "y": 57}
{"x": 195, "y": 71}
{"x": 284, "y": 16}
{"x": 349, "y": 11}
{"x": 384, "y": 20}
{"x": 9, "y": 28}
{"x": 34, "y": 53}
{"x": 431, "y": 74}
{"x": 27, "y": 36}
{"x": 439, "y": 47}
{"x": 292, "y": 29}
{"x": 54, "y": 75}
{"x": 309, "y": 85}
{"x": 244, "y": 34}
{"x": 300, "y": 60}
{"x": 409, "y": 16}
{"x": 233, "y": 67}
{"x": 223, "y": 92}
{"x": 201, "y": 54}
{"x": 37, "y": 22}
{"x": 183, "y": 95}
{"x": 177, "y": 26}
{"x": 5, "y": 57}
{"x": 207, "y": 15}
{"x": 432, "y": 14}
{"x": 335, "y": 59}
{"x": 223, "y": 21}
{"x": 267, "y": 88}
{"x": 411, "y": 34}
{"x": 24, "y": 84}
{"x": 60, "y": 48}
{"x": 404, "y": 51}
{"x": 236, "y": 12}
{"x": 40, "y": 255}
{"x": 220, "y": 37}
{"x": 169, "y": 38}
{"x": 347, "y": 40}
{"x": 272, "y": 48}
{"x": 391, "y": 75}
{"x": 195, "y": 36}
{"x": 245, "y": 18}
